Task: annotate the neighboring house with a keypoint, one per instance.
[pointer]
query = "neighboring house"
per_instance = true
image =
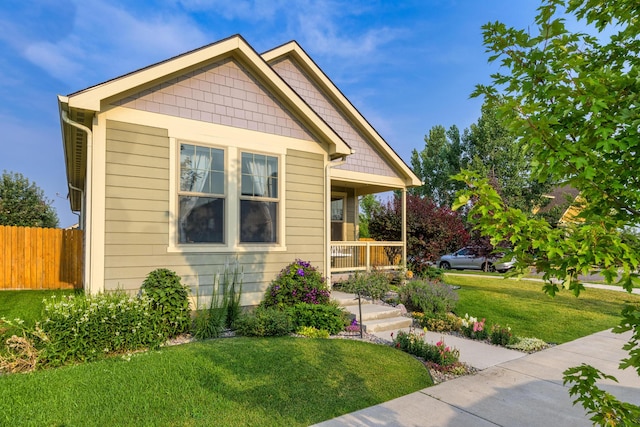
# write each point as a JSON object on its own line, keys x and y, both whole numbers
{"x": 217, "y": 154}
{"x": 563, "y": 205}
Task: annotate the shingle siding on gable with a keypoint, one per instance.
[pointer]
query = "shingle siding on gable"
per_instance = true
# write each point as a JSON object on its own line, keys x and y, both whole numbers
{"x": 366, "y": 158}
{"x": 223, "y": 93}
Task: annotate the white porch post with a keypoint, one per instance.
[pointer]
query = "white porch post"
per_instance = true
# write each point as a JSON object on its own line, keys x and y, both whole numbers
{"x": 404, "y": 228}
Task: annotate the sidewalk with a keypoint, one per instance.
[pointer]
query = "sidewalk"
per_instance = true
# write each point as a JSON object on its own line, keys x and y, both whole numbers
{"x": 512, "y": 389}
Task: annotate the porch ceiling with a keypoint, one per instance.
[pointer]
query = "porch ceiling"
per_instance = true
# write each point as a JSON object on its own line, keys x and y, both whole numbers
{"x": 363, "y": 188}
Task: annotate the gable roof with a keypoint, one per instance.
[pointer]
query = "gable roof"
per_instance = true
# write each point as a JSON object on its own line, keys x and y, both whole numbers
{"x": 294, "y": 51}
{"x": 81, "y": 106}
{"x": 96, "y": 97}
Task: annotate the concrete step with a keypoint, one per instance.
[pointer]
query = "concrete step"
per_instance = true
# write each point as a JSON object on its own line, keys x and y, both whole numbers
{"x": 374, "y": 311}
{"x": 387, "y": 324}
{"x": 375, "y": 317}
{"x": 345, "y": 299}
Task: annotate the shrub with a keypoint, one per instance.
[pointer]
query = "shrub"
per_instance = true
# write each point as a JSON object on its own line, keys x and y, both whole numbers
{"x": 426, "y": 272}
{"x": 329, "y": 317}
{"x": 441, "y": 322}
{"x": 528, "y": 345}
{"x": 224, "y": 307}
{"x": 311, "y": 332}
{"x": 439, "y": 353}
{"x": 500, "y": 335}
{"x": 86, "y": 328}
{"x": 209, "y": 322}
{"x": 170, "y": 298}
{"x": 297, "y": 282}
{"x": 264, "y": 322}
{"x": 474, "y": 328}
{"x": 374, "y": 284}
{"x": 427, "y": 297}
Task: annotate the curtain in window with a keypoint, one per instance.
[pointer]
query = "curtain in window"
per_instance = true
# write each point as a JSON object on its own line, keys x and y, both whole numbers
{"x": 194, "y": 172}
{"x": 263, "y": 187}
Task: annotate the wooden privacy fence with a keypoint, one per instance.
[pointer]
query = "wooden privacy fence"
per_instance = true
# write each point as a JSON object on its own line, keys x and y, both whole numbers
{"x": 40, "y": 258}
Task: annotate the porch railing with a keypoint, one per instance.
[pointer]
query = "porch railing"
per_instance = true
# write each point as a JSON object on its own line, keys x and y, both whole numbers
{"x": 365, "y": 255}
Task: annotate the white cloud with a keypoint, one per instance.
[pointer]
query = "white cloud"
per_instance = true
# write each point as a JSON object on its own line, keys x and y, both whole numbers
{"x": 107, "y": 40}
{"x": 50, "y": 57}
{"x": 250, "y": 10}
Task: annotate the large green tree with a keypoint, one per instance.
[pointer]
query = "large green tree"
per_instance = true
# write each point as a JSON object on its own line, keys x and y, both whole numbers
{"x": 368, "y": 205}
{"x": 572, "y": 98}
{"x": 495, "y": 153}
{"x": 23, "y": 203}
{"x": 486, "y": 147}
{"x": 439, "y": 159}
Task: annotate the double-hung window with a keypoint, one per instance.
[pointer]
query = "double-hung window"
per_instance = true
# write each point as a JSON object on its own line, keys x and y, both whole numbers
{"x": 201, "y": 197}
{"x": 259, "y": 198}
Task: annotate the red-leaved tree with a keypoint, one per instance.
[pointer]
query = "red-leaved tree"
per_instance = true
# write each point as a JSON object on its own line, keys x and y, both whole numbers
{"x": 431, "y": 230}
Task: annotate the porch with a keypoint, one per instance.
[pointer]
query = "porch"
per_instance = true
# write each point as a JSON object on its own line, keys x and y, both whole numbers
{"x": 365, "y": 255}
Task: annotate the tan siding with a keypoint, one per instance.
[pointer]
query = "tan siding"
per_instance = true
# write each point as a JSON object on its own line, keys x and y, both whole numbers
{"x": 134, "y": 133}
{"x": 140, "y": 205}
{"x": 309, "y": 187}
{"x": 137, "y": 201}
{"x": 135, "y": 171}
{"x": 130, "y": 215}
{"x": 125, "y": 181}
{"x": 136, "y": 160}
{"x": 133, "y": 148}
{"x": 137, "y": 220}
{"x": 137, "y": 193}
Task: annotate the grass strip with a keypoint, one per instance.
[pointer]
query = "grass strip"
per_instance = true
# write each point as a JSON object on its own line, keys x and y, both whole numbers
{"x": 522, "y": 305}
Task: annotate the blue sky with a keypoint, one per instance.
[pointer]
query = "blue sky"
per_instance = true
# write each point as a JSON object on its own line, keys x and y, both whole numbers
{"x": 407, "y": 66}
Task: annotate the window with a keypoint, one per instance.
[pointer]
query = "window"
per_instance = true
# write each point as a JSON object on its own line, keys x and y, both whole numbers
{"x": 259, "y": 198}
{"x": 202, "y": 194}
{"x": 337, "y": 218}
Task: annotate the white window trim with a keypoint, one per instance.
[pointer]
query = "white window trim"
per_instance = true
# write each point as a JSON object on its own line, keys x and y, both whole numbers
{"x": 232, "y": 200}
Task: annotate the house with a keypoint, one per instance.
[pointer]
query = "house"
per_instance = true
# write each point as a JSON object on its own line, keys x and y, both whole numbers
{"x": 563, "y": 206}
{"x": 219, "y": 154}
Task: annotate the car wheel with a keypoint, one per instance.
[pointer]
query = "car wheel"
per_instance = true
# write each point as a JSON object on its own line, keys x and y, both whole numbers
{"x": 445, "y": 265}
{"x": 488, "y": 267}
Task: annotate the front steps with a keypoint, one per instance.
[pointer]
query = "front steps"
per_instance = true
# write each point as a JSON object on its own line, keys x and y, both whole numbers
{"x": 375, "y": 317}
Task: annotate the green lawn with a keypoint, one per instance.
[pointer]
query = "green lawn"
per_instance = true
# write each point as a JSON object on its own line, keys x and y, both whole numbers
{"x": 523, "y": 306}
{"x": 26, "y": 305}
{"x": 275, "y": 381}
{"x": 224, "y": 382}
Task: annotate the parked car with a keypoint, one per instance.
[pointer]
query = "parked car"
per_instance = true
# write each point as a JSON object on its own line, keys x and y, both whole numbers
{"x": 469, "y": 259}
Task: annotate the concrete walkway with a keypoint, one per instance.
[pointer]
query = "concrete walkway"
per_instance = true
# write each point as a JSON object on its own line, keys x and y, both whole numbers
{"x": 512, "y": 389}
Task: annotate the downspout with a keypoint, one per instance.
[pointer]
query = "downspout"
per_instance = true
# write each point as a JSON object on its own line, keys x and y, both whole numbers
{"x": 327, "y": 216}
{"x": 86, "y": 201}
{"x": 82, "y": 206}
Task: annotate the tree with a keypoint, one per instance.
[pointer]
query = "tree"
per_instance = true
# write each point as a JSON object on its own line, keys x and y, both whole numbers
{"x": 486, "y": 147}
{"x": 368, "y": 204}
{"x": 495, "y": 153}
{"x": 572, "y": 98}
{"x": 436, "y": 163}
{"x": 24, "y": 204}
{"x": 431, "y": 230}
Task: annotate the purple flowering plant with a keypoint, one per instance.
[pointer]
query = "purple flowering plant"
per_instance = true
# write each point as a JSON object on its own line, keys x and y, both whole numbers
{"x": 297, "y": 282}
